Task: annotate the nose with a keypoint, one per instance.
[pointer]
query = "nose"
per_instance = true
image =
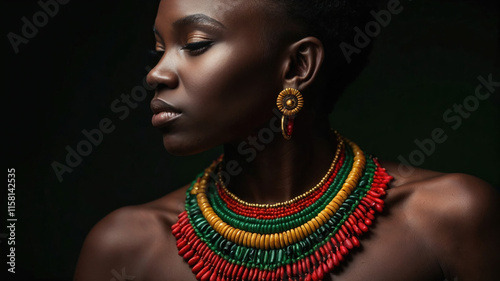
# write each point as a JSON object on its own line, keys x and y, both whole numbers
{"x": 163, "y": 75}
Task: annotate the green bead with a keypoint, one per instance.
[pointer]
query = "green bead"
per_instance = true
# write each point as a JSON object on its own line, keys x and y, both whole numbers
{"x": 280, "y": 255}
{"x": 272, "y": 257}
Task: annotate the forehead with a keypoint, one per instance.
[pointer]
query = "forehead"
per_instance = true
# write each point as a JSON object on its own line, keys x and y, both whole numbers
{"x": 228, "y": 12}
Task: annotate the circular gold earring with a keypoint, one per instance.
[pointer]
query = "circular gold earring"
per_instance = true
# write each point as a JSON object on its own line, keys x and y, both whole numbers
{"x": 290, "y": 102}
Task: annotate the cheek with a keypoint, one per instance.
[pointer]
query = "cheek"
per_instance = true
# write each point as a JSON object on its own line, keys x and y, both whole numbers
{"x": 232, "y": 86}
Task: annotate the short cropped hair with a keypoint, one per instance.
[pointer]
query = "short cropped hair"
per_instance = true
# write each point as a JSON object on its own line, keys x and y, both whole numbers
{"x": 333, "y": 22}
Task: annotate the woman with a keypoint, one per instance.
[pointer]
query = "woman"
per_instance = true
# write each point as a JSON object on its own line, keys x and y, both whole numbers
{"x": 289, "y": 199}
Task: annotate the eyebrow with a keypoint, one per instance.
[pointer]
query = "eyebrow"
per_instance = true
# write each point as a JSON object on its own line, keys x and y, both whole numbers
{"x": 200, "y": 19}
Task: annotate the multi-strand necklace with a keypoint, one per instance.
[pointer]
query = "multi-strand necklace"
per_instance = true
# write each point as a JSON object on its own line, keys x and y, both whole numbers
{"x": 225, "y": 238}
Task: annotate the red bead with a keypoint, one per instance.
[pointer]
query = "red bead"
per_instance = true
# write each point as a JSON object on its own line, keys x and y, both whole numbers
{"x": 241, "y": 269}
{"x": 335, "y": 260}
{"x": 304, "y": 266}
{"x": 230, "y": 270}
{"x": 259, "y": 275}
{"x": 289, "y": 127}
{"x": 245, "y": 274}
{"x": 329, "y": 246}
{"x": 202, "y": 272}
{"x": 355, "y": 241}
{"x": 315, "y": 276}
{"x": 206, "y": 276}
{"x": 318, "y": 256}
{"x": 308, "y": 265}
{"x": 198, "y": 267}
{"x": 181, "y": 243}
{"x": 267, "y": 275}
{"x": 339, "y": 256}
{"x": 320, "y": 273}
{"x": 325, "y": 268}
{"x": 347, "y": 230}
{"x": 301, "y": 269}
{"x": 194, "y": 260}
{"x": 252, "y": 274}
{"x": 362, "y": 226}
{"x": 370, "y": 216}
{"x": 342, "y": 235}
{"x": 329, "y": 263}
{"x": 313, "y": 261}
{"x": 348, "y": 244}
{"x": 344, "y": 250}
{"x": 352, "y": 220}
{"x": 188, "y": 255}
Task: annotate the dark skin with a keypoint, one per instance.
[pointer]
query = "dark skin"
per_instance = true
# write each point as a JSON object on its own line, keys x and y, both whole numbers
{"x": 434, "y": 226}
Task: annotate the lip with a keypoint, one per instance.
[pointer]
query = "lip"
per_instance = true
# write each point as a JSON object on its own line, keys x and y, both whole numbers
{"x": 163, "y": 113}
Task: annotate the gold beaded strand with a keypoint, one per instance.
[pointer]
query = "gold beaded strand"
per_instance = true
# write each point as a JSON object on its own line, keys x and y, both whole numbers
{"x": 285, "y": 238}
{"x": 340, "y": 145}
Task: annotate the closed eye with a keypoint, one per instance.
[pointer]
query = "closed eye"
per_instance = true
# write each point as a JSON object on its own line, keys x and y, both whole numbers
{"x": 197, "y": 48}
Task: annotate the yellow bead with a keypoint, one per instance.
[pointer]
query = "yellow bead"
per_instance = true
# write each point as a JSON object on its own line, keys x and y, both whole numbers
{"x": 258, "y": 240}
{"x": 276, "y": 241}
{"x": 253, "y": 239}
{"x": 224, "y": 230}
{"x": 288, "y": 237}
{"x": 238, "y": 237}
{"x": 343, "y": 194}
{"x": 266, "y": 242}
{"x": 282, "y": 240}
{"x": 295, "y": 238}
{"x": 316, "y": 224}
{"x": 329, "y": 211}
{"x": 322, "y": 218}
{"x": 271, "y": 241}
{"x": 230, "y": 234}
{"x": 246, "y": 240}
{"x": 337, "y": 200}
{"x": 304, "y": 230}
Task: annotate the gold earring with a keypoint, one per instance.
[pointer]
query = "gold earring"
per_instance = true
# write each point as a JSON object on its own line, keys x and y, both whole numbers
{"x": 289, "y": 102}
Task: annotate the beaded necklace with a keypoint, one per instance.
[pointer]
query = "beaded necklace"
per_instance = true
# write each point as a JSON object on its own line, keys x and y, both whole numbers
{"x": 225, "y": 238}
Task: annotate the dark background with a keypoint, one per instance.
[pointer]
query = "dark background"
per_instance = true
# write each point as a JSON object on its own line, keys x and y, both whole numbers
{"x": 66, "y": 77}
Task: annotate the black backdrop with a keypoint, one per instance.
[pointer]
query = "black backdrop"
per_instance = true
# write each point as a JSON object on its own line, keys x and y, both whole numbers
{"x": 71, "y": 74}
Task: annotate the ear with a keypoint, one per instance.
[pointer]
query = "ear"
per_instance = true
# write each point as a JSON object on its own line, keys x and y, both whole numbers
{"x": 303, "y": 63}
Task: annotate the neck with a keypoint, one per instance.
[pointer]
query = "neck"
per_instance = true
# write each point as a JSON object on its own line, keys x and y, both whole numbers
{"x": 258, "y": 170}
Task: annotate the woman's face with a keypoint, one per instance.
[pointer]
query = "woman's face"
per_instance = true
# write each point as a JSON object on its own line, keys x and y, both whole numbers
{"x": 218, "y": 76}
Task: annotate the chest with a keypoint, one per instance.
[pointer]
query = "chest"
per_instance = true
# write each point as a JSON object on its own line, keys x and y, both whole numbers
{"x": 388, "y": 252}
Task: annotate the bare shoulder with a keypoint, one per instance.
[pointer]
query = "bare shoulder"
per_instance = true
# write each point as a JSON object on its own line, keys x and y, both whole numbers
{"x": 126, "y": 242}
{"x": 457, "y": 217}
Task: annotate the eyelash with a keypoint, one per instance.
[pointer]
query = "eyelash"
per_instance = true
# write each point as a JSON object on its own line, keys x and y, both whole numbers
{"x": 197, "y": 48}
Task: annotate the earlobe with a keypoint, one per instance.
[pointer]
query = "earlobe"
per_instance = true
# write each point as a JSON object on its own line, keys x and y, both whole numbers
{"x": 304, "y": 62}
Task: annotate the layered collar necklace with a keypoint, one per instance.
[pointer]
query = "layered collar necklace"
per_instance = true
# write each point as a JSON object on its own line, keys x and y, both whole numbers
{"x": 225, "y": 238}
